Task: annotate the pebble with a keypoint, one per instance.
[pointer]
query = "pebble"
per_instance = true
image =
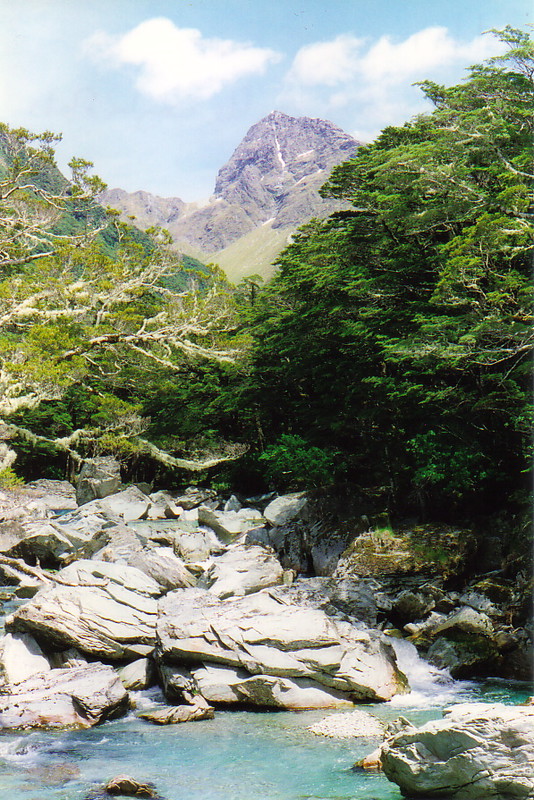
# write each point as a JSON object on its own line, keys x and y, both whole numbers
{"x": 348, "y": 725}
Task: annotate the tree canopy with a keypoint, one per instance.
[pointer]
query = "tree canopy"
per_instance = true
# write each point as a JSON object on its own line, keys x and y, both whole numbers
{"x": 399, "y": 333}
{"x": 81, "y": 327}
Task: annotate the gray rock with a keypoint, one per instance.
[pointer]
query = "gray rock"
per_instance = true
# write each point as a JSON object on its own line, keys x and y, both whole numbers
{"x": 42, "y": 542}
{"x": 228, "y": 685}
{"x": 229, "y": 524}
{"x": 466, "y": 620}
{"x": 194, "y": 496}
{"x": 408, "y": 606}
{"x": 137, "y": 675}
{"x": 98, "y": 477}
{"x": 57, "y": 495}
{"x": 85, "y": 523}
{"x": 163, "y": 566}
{"x": 264, "y": 636}
{"x": 470, "y": 656}
{"x": 110, "y": 611}
{"x": 346, "y": 598}
{"x": 477, "y": 751}
{"x": 242, "y": 570}
{"x": 109, "y": 574}
{"x": 173, "y": 715}
{"x": 177, "y": 683}
{"x": 130, "y": 504}
{"x": 284, "y": 509}
{"x": 232, "y": 504}
{"x": 68, "y": 659}
{"x": 20, "y": 658}
{"x": 163, "y": 506}
{"x": 83, "y": 697}
{"x": 425, "y": 626}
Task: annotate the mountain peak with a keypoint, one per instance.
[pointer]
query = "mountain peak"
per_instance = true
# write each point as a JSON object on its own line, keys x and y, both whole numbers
{"x": 267, "y": 188}
{"x": 280, "y": 151}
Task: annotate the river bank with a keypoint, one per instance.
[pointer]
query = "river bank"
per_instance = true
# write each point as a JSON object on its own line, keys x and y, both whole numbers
{"x": 210, "y": 606}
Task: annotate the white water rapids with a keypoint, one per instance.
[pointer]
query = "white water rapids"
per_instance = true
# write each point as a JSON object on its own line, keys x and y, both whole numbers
{"x": 429, "y": 685}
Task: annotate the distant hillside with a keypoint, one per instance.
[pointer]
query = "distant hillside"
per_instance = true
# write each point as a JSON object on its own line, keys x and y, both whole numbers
{"x": 90, "y": 215}
{"x": 268, "y": 188}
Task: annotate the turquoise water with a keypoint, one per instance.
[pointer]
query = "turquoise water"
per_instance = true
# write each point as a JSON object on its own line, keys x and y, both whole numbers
{"x": 236, "y": 756}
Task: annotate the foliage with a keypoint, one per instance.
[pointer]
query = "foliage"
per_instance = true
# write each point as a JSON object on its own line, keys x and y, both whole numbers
{"x": 9, "y": 478}
{"x": 85, "y": 321}
{"x": 292, "y": 463}
{"x": 400, "y": 332}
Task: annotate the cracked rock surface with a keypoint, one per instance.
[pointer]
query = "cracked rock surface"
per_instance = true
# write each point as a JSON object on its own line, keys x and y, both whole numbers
{"x": 477, "y": 752}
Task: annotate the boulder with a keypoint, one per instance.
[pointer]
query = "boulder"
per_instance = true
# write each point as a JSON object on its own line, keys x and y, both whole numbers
{"x": 228, "y": 685}
{"x": 242, "y": 570}
{"x": 68, "y": 659}
{"x": 104, "y": 610}
{"x": 82, "y": 697}
{"x": 20, "y": 658}
{"x": 118, "y": 543}
{"x": 130, "y": 504}
{"x": 263, "y": 636}
{"x": 137, "y": 675}
{"x": 163, "y": 566}
{"x": 41, "y": 543}
{"x": 284, "y": 509}
{"x": 465, "y": 656}
{"x": 229, "y": 524}
{"x": 232, "y": 504}
{"x": 90, "y": 520}
{"x": 124, "y": 545}
{"x": 96, "y": 573}
{"x": 464, "y": 644}
{"x": 11, "y": 532}
{"x": 408, "y": 606}
{"x": 98, "y": 477}
{"x": 57, "y": 495}
{"x": 177, "y": 683}
{"x": 192, "y": 546}
{"x": 345, "y": 598}
{"x": 163, "y": 506}
{"x": 127, "y": 786}
{"x": 194, "y": 496}
{"x": 465, "y": 620}
{"x": 173, "y": 715}
{"x": 477, "y": 751}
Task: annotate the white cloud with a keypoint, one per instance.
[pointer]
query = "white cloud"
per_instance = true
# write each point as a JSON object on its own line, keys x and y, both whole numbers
{"x": 420, "y": 53}
{"x": 375, "y": 78}
{"x": 179, "y": 63}
{"x": 326, "y": 63}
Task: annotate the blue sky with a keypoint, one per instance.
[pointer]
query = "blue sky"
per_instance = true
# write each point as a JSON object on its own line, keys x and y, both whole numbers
{"x": 158, "y": 93}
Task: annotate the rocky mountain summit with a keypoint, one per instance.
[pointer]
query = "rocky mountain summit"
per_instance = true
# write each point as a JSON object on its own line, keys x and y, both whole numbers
{"x": 269, "y": 187}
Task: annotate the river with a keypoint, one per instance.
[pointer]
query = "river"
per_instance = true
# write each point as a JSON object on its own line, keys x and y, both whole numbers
{"x": 236, "y": 756}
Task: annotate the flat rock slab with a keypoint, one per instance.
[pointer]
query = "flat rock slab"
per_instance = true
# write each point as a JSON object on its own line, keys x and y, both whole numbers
{"x": 20, "y": 658}
{"x": 227, "y": 685}
{"x": 110, "y": 611}
{"x": 477, "y": 752}
{"x": 81, "y": 697}
{"x": 263, "y": 636}
{"x": 242, "y": 570}
{"x": 174, "y": 715}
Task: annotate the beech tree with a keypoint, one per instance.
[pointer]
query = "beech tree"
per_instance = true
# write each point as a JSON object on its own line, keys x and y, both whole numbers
{"x": 400, "y": 332}
{"x": 73, "y": 316}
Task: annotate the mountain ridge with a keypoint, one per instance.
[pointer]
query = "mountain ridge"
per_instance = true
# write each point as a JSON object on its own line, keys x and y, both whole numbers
{"x": 268, "y": 187}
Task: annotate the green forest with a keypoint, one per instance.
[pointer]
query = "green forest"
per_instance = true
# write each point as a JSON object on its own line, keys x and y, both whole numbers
{"x": 391, "y": 352}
